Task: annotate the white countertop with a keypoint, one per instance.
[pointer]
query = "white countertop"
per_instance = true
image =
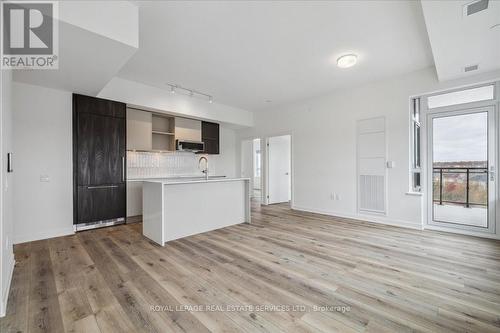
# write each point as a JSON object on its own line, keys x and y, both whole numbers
{"x": 172, "y": 181}
{"x": 187, "y": 177}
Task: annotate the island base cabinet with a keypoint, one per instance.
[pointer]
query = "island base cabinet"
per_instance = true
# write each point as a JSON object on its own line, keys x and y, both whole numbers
{"x": 134, "y": 199}
{"x": 173, "y": 210}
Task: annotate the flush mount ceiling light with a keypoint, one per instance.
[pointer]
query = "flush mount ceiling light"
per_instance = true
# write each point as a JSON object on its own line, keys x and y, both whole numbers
{"x": 347, "y": 60}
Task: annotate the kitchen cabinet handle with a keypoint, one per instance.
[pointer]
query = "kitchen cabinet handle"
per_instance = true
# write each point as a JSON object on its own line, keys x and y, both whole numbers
{"x": 102, "y": 186}
{"x": 123, "y": 168}
{"x": 9, "y": 162}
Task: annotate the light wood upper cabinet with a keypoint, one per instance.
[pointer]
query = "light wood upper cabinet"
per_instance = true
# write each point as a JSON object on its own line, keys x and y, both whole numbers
{"x": 139, "y": 129}
{"x": 187, "y": 129}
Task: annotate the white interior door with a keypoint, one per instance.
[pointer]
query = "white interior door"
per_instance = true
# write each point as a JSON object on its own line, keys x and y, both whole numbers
{"x": 279, "y": 166}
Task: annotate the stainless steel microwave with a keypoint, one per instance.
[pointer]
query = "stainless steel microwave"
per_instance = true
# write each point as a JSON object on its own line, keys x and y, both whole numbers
{"x": 192, "y": 146}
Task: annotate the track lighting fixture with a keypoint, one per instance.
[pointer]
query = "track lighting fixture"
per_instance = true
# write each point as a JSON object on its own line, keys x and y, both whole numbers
{"x": 191, "y": 92}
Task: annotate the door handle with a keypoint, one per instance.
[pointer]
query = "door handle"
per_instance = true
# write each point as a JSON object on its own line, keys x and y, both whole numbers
{"x": 101, "y": 186}
{"x": 123, "y": 168}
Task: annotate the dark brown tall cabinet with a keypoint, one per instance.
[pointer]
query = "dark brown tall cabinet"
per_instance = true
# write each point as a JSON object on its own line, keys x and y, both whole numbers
{"x": 210, "y": 136}
{"x": 99, "y": 161}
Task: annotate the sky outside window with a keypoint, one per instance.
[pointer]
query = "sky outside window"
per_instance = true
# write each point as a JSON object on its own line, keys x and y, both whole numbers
{"x": 461, "y": 138}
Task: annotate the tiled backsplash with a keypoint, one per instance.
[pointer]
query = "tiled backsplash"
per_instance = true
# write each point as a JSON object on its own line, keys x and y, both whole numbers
{"x": 153, "y": 165}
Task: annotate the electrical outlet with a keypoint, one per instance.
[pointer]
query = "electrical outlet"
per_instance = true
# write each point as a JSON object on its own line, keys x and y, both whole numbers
{"x": 337, "y": 196}
{"x": 44, "y": 178}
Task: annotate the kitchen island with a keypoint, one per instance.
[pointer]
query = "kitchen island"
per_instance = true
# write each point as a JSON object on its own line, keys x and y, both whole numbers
{"x": 176, "y": 208}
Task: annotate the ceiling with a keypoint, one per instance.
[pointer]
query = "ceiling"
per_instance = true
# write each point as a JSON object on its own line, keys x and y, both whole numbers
{"x": 76, "y": 73}
{"x": 458, "y": 41}
{"x": 90, "y": 49}
{"x": 246, "y": 52}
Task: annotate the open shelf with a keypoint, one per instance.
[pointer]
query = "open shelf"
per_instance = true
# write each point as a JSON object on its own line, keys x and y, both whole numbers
{"x": 163, "y": 123}
{"x": 163, "y": 132}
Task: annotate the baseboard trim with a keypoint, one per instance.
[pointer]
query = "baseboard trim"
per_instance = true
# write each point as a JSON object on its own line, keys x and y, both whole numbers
{"x": 462, "y": 232}
{"x": 362, "y": 217}
{"x": 43, "y": 235}
{"x": 134, "y": 219}
{"x": 5, "y": 296}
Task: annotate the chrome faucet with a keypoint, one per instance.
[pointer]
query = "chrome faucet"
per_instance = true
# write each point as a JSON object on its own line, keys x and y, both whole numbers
{"x": 205, "y": 171}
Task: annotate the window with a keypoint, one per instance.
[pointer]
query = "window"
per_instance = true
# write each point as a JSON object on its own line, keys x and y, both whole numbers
{"x": 415, "y": 168}
{"x": 460, "y": 97}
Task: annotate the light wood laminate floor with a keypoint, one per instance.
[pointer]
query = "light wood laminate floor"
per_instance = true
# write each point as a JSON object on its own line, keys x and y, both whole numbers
{"x": 328, "y": 274}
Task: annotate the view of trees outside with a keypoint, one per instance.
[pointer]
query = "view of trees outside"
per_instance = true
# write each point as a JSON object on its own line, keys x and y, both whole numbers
{"x": 455, "y": 182}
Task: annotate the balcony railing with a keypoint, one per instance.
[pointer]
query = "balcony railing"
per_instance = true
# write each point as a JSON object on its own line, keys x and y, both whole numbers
{"x": 462, "y": 178}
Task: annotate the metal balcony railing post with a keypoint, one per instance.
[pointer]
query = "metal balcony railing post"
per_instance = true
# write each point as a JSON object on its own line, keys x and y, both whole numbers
{"x": 467, "y": 190}
{"x": 440, "y": 186}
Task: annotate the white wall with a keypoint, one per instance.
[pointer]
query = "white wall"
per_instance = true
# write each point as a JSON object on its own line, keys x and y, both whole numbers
{"x": 43, "y": 146}
{"x": 324, "y": 144}
{"x": 225, "y": 162}
{"x": 6, "y": 189}
{"x": 246, "y": 161}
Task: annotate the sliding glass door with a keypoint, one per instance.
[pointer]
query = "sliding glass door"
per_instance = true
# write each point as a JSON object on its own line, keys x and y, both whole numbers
{"x": 461, "y": 169}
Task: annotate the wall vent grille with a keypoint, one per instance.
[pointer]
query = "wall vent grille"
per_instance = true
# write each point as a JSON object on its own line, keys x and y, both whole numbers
{"x": 475, "y": 7}
{"x": 372, "y": 193}
{"x": 471, "y": 68}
